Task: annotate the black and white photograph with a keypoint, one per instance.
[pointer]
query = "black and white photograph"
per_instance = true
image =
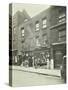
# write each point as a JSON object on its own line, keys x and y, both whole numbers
{"x": 37, "y": 44}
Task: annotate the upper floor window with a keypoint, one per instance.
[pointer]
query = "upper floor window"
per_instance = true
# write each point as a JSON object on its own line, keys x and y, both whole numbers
{"x": 37, "y": 41}
{"x": 37, "y": 25}
{"x": 26, "y": 20}
{"x": 22, "y": 31}
{"x": 44, "y": 23}
{"x": 62, "y": 35}
{"x": 62, "y": 18}
{"x": 45, "y": 39}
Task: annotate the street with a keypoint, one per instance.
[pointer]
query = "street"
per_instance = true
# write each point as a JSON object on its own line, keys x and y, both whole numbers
{"x": 22, "y": 78}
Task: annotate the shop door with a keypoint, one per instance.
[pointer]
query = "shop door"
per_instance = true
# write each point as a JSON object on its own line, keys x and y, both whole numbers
{"x": 58, "y": 57}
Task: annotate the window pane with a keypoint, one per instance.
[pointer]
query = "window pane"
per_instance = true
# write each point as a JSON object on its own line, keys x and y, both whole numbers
{"x": 44, "y": 26}
{"x": 62, "y": 17}
{"x": 22, "y": 31}
{"x": 25, "y": 20}
{"x": 44, "y": 39}
{"x": 22, "y": 34}
{"x": 37, "y": 26}
{"x": 37, "y": 42}
{"x": 62, "y": 20}
{"x": 62, "y": 38}
{"x": 62, "y": 35}
{"x": 44, "y": 23}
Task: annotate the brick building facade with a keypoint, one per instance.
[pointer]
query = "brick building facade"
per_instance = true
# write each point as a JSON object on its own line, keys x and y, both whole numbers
{"x": 43, "y": 34}
{"x": 58, "y": 37}
{"x": 17, "y": 20}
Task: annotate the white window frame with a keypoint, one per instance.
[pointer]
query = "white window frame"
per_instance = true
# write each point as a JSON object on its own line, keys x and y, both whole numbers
{"x": 37, "y": 26}
{"x": 22, "y": 31}
{"x": 26, "y": 20}
{"x": 62, "y": 18}
{"x": 44, "y": 22}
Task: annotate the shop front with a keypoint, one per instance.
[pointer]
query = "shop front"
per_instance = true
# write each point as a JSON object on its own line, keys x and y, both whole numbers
{"x": 59, "y": 50}
{"x": 26, "y": 60}
{"x": 38, "y": 58}
{"x": 42, "y": 57}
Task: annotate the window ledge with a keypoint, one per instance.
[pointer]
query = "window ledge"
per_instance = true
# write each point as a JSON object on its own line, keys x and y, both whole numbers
{"x": 37, "y": 30}
{"x": 44, "y": 28}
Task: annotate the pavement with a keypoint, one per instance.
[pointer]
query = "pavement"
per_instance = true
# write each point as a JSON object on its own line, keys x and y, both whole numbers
{"x": 50, "y": 72}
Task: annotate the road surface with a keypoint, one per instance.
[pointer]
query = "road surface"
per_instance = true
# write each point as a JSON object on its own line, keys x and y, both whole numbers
{"x": 22, "y": 78}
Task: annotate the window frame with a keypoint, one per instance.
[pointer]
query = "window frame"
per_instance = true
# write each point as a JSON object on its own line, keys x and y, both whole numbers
{"x": 37, "y": 42}
{"x": 22, "y": 33}
{"x": 62, "y": 18}
{"x": 37, "y": 26}
{"x": 61, "y": 34}
{"x": 44, "y": 23}
{"x": 44, "y": 40}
